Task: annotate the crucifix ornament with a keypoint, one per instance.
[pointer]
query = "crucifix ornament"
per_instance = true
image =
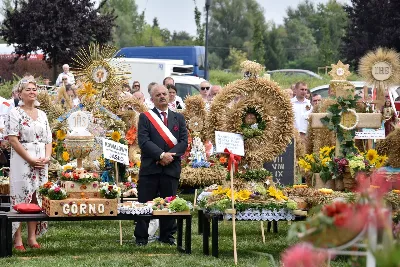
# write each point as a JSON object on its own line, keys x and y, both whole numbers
{"x": 342, "y": 117}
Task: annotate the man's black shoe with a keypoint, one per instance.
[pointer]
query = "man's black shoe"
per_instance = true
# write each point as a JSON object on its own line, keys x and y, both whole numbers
{"x": 170, "y": 242}
{"x": 141, "y": 243}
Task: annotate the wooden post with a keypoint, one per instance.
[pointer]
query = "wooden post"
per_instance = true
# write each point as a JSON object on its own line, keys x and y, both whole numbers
{"x": 262, "y": 232}
{"x": 233, "y": 215}
{"x": 118, "y": 200}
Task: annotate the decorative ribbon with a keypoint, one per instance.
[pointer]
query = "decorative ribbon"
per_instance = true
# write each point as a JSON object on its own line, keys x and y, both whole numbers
{"x": 162, "y": 130}
{"x": 66, "y": 115}
{"x": 233, "y": 159}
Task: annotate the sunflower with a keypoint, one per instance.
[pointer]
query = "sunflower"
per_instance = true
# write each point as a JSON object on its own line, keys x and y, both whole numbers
{"x": 372, "y": 156}
{"x": 116, "y": 136}
{"x": 229, "y": 194}
{"x": 53, "y": 150}
{"x": 60, "y": 134}
{"x": 381, "y": 160}
{"x": 65, "y": 156}
{"x": 244, "y": 194}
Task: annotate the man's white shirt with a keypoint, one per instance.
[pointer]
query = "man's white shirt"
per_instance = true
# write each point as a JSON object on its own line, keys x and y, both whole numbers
{"x": 302, "y": 111}
{"x": 71, "y": 78}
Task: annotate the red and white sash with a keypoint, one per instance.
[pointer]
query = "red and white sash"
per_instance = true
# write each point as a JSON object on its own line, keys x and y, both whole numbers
{"x": 163, "y": 130}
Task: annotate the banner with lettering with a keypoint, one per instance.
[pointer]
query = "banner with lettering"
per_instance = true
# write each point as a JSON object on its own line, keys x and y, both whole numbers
{"x": 115, "y": 151}
{"x": 282, "y": 167}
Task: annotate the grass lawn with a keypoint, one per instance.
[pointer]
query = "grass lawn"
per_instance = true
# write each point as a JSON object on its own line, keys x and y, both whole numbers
{"x": 96, "y": 243}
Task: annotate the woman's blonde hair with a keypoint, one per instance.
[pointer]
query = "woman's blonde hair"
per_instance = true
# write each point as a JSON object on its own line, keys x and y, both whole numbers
{"x": 24, "y": 83}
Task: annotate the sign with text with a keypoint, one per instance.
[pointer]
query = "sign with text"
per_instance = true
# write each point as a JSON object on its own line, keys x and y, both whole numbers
{"x": 282, "y": 167}
{"x": 367, "y": 133}
{"x": 115, "y": 151}
{"x": 232, "y": 141}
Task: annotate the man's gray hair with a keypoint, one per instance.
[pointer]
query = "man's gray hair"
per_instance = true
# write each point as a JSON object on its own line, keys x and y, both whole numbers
{"x": 65, "y": 66}
{"x": 155, "y": 87}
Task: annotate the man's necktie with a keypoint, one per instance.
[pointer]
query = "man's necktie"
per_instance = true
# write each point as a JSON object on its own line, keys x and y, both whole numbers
{"x": 165, "y": 118}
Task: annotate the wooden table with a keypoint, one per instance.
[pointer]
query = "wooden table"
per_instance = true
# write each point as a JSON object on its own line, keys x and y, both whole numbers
{"x": 7, "y": 218}
{"x": 215, "y": 218}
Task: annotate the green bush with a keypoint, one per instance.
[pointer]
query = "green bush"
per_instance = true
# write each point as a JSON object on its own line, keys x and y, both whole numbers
{"x": 7, "y": 86}
{"x": 223, "y": 78}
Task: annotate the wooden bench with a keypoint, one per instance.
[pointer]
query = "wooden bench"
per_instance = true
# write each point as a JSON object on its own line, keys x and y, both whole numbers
{"x": 7, "y": 218}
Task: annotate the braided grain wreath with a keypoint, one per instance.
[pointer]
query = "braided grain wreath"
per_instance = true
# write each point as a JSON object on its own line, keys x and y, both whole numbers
{"x": 229, "y": 108}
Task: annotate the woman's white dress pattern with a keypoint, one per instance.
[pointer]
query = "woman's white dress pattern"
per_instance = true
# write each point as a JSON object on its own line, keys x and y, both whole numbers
{"x": 25, "y": 179}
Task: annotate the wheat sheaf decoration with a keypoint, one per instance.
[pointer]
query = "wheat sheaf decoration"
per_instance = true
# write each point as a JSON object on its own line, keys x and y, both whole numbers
{"x": 381, "y": 68}
{"x": 259, "y": 110}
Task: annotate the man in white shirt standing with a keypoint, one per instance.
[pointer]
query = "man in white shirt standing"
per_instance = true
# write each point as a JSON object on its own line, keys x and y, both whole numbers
{"x": 302, "y": 108}
{"x": 66, "y": 72}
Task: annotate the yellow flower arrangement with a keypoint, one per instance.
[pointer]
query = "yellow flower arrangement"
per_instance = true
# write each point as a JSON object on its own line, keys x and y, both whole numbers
{"x": 138, "y": 163}
{"x": 325, "y": 152}
{"x": 60, "y": 134}
{"x": 372, "y": 156}
{"x": 116, "y": 136}
{"x": 67, "y": 167}
{"x": 53, "y": 151}
{"x": 276, "y": 193}
{"x": 220, "y": 191}
{"x": 244, "y": 194}
{"x": 65, "y": 156}
{"x": 325, "y": 191}
{"x": 87, "y": 90}
{"x": 325, "y": 162}
{"x": 229, "y": 194}
{"x": 304, "y": 165}
{"x": 300, "y": 186}
{"x": 380, "y": 161}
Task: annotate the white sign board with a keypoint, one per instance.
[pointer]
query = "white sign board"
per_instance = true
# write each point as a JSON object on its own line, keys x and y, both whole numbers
{"x": 367, "y": 133}
{"x": 115, "y": 151}
{"x": 232, "y": 141}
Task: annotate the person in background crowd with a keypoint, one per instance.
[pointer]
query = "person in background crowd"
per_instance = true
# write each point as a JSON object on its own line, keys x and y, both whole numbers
{"x": 126, "y": 90}
{"x": 148, "y": 102}
{"x": 139, "y": 95}
{"x": 204, "y": 90}
{"x": 71, "y": 91}
{"x": 215, "y": 89}
{"x": 46, "y": 81}
{"x": 316, "y": 99}
{"x": 66, "y": 72}
{"x": 135, "y": 87}
{"x": 161, "y": 160}
{"x": 289, "y": 92}
{"x": 174, "y": 103}
{"x": 308, "y": 94}
{"x": 302, "y": 108}
{"x": 168, "y": 80}
{"x": 29, "y": 134}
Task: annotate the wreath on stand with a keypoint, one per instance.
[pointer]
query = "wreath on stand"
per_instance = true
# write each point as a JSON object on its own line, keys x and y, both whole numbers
{"x": 258, "y": 109}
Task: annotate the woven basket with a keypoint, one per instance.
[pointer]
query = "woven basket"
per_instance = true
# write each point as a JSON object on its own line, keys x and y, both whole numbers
{"x": 4, "y": 189}
{"x": 348, "y": 181}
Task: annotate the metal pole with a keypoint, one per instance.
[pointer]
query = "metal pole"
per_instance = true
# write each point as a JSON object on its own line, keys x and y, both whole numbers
{"x": 206, "y": 73}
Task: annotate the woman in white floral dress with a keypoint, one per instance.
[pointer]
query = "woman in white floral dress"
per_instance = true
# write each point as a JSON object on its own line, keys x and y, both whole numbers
{"x": 30, "y": 138}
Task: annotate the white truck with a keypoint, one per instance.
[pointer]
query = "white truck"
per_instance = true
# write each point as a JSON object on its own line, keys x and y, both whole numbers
{"x": 146, "y": 71}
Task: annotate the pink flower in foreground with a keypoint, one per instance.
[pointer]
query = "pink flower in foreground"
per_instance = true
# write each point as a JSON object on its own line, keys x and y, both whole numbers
{"x": 303, "y": 255}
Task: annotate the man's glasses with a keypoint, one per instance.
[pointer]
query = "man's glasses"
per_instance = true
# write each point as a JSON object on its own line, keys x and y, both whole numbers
{"x": 205, "y": 88}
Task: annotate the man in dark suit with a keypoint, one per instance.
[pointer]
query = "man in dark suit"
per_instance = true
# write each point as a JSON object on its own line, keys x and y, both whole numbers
{"x": 163, "y": 139}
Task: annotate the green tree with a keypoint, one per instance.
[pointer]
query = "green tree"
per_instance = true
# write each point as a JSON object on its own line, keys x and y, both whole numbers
{"x": 235, "y": 58}
{"x": 372, "y": 23}
{"x": 258, "y": 43}
{"x": 200, "y": 27}
{"x": 57, "y": 33}
{"x": 182, "y": 38}
{"x": 215, "y": 61}
{"x": 232, "y": 25}
{"x": 275, "y": 57}
{"x": 127, "y": 21}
